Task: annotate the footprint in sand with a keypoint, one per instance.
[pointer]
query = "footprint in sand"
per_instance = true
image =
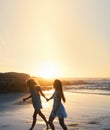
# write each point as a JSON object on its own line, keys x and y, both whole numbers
{"x": 2, "y": 126}
{"x": 73, "y": 127}
{"x": 93, "y": 122}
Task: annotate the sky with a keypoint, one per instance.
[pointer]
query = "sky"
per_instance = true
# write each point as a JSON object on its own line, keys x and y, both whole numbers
{"x": 59, "y": 38}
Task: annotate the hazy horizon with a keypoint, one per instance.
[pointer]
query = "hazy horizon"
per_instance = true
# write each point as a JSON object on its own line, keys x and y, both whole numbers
{"x": 60, "y": 77}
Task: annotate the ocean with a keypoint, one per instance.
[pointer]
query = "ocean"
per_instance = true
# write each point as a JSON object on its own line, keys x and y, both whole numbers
{"x": 91, "y": 86}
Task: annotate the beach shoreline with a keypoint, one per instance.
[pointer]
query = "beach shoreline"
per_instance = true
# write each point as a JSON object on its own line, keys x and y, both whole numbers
{"x": 85, "y": 111}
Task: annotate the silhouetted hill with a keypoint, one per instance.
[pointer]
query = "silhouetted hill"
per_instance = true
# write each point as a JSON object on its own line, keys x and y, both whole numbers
{"x": 13, "y": 82}
{"x": 16, "y": 82}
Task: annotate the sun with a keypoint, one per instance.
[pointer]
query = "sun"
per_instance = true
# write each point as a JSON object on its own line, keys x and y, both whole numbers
{"x": 47, "y": 70}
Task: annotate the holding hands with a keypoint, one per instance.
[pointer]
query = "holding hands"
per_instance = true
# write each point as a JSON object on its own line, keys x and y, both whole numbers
{"x": 47, "y": 99}
{"x": 24, "y": 99}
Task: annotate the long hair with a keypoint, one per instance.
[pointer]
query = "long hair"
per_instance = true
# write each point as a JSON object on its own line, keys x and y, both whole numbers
{"x": 58, "y": 86}
{"x": 31, "y": 82}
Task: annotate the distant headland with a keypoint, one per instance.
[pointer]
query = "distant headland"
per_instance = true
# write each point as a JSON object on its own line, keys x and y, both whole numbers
{"x": 16, "y": 82}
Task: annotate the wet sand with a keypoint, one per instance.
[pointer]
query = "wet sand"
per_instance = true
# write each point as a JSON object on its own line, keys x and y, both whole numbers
{"x": 85, "y": 112}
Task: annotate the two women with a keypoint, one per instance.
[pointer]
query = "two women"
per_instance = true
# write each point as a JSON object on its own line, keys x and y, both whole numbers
{"x": 58, "y": 108}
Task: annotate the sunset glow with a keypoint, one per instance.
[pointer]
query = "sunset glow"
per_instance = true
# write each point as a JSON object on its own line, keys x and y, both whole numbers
{"x": 47, "y": 70}
{"x": 74, "y": 36}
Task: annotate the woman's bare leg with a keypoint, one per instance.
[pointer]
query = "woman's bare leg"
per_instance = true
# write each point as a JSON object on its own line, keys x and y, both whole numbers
{"x": 51, "y": 122}
{"x": 43, "y": 117}
{"x": 34, "y": 120}
{"x": 61, "y": 121}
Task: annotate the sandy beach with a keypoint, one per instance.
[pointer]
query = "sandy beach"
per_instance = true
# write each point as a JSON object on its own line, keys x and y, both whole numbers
{"x": 85, "y": 112}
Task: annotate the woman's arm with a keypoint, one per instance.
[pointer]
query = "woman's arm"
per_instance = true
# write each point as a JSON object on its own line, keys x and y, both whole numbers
{"x": 42, "y": 93}
{"x": 50, "y": 97}
{"x": 24, "y": 99}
